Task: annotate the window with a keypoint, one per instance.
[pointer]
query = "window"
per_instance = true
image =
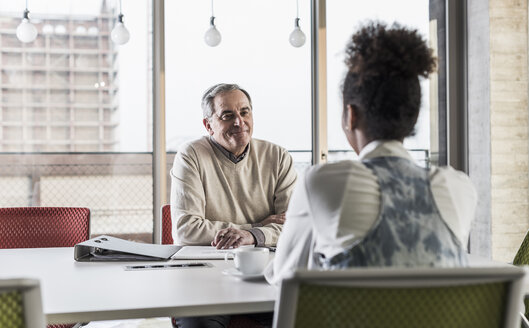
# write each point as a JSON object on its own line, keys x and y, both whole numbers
{"x": 76, "y": 118}
{"x": 343, "y": 19}
{"x": 76, "y": 114}
{"x": 254, "y": 53}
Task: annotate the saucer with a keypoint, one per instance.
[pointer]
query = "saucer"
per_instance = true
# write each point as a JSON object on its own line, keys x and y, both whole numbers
{"x": 236, "y": 273}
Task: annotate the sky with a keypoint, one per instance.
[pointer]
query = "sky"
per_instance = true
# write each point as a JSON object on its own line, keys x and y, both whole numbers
{"x": 254, "y": 53}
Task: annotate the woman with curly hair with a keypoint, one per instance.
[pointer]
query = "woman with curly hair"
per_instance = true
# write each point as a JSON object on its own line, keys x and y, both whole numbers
{"x": 383, "y": 210}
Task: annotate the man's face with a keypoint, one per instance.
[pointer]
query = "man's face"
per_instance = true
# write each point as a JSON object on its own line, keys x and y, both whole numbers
{"x": 231, "y": 125}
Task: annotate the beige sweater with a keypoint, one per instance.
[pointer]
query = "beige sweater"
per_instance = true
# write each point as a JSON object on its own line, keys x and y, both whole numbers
{"x": 209, "y": 192}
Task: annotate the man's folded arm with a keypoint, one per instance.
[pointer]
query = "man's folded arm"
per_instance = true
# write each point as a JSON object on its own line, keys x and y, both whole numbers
{"x": 286, "y": 181}
{"x": 194, "y": 230}
{"x": 268, "y": 235}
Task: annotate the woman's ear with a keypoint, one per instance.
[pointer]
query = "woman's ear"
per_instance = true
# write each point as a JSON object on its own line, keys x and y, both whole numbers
{"x": 351, "y": 117}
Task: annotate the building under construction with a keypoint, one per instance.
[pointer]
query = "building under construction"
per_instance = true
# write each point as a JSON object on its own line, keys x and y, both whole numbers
{"x": 59, "y": 93}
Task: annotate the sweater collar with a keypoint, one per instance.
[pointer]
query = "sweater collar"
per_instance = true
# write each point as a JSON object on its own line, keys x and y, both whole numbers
{"x": 229, "y": 155}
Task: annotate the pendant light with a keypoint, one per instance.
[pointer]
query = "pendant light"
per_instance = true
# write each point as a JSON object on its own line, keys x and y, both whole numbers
{"x": 212, "y": 36}
{"x": 120, "y": 35}
{"x": 26, "y": 32}
{"x": 297, "y": 37}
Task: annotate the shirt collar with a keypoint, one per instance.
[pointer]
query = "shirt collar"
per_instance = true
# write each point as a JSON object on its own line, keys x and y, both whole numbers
{"x": 229, "y": 155}
{"x": 378, "y": 148}
{"x": 369, "y": 148}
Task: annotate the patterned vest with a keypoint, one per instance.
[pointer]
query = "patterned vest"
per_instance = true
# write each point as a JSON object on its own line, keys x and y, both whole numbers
{"x": 409, "y": 231}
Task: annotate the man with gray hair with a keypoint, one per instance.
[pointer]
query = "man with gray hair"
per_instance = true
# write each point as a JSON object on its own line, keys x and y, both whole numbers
{"x": 227, "y": 188}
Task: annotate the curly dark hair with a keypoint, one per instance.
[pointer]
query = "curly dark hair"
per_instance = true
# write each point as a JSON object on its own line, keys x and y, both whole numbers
{"x": 383, "y": 78}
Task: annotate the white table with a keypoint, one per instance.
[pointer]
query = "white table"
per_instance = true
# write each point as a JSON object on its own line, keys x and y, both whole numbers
{"x": 88, "y": 291}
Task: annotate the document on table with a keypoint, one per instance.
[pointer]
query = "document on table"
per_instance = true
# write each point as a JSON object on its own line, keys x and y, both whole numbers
{"x": 201, "y": 253}
{"x": 108, "y": 248}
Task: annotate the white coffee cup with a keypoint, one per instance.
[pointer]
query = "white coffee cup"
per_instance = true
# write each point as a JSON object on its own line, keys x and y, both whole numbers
{"x": 249, "y": 260}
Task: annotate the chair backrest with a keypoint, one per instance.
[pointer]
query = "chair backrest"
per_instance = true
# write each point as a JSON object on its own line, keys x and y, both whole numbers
{"x": 21, "y": 304}
{"x": 522, "y": 258}
{"x": 167, "y": 226}
{"x": 25, "y": 227}
{"x": 455, "y": 297}
{"x": 525, "y": 322}
{"x": 522, "y": 255}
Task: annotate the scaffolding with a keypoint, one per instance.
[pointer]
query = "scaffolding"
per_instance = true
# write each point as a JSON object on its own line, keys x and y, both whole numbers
{"x": 60, "y": 92}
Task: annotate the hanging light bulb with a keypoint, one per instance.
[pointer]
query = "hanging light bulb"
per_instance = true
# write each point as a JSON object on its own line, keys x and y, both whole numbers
{"x": 26, "y": 32}
{"x": 212, "y": 36}
{"x": 120, "y": 35}
{"x": 297, "y": 37}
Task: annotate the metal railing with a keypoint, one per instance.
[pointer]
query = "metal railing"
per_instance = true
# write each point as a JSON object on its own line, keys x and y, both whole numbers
{"x": 117, "y": 187}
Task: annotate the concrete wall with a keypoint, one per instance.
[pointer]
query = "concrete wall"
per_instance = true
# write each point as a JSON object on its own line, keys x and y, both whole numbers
{"x": 479, "y": 126}
{"x": 509, "y": 126}
{"x": 499, "y": 124}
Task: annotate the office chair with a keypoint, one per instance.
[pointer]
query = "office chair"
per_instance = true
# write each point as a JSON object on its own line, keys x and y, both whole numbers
{"x": 32, "y": 227}
{"x": 21, "y": 304}
{"x": 237, "y": 321}
{"x": 382, "y": 297}
{"x": 522, "y": 258}
{"x": 167, "y": 225}
{"x": 525, "y": 322}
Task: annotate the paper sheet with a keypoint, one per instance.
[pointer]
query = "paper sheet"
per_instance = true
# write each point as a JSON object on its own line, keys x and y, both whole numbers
{"x": 201, "y": 253}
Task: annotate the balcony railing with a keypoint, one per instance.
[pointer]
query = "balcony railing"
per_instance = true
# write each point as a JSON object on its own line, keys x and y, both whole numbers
{"x": 117, "y": 187}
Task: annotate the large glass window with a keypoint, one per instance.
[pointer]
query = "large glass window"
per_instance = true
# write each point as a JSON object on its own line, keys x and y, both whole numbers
{"x": 76, "y": 123}
{"x": 76, "y": 114}
{"x": 254, "y": 53}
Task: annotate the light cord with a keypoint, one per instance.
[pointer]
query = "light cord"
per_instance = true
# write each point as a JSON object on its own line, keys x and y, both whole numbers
{"x": 297, "y": 9}
{"x": 26, "y": 12}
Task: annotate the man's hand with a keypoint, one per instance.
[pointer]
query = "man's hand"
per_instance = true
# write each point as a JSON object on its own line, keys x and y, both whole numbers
{"x": 231, "y": 237}
{"x": 274, "y": 218}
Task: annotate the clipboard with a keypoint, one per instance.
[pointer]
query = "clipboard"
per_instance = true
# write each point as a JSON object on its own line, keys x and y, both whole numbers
{"x": 107, "y": 248}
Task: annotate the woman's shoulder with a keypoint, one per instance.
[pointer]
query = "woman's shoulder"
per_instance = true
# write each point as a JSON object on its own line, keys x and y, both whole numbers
{"x": 450, "y": 176}
{"x": 456, "y": 198}
{"x": 331, "y": 173}
{"x": 340, "y": 167}
{"x": 455, "y": 183}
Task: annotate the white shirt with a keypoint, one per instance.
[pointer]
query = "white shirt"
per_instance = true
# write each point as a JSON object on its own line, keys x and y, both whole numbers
{"x": 336, "y": 204}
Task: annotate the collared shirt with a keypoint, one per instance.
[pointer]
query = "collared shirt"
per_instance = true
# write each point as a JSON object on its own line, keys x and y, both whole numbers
{"x": 336, "y": 204}
{"x": 230, "y": 156}
{"x": 369, "y": 148}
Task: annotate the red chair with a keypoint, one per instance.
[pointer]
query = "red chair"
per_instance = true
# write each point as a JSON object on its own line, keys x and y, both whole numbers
{"x": 167, "y": 225}
{"x": 167, "y": 238}
{"x": 32, "y": 227}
